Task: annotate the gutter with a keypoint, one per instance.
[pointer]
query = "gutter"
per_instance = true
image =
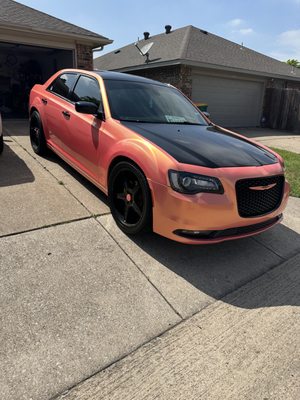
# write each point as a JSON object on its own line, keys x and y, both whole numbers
{"x": 96, "y": 41}
{"x": 207, "y": 65}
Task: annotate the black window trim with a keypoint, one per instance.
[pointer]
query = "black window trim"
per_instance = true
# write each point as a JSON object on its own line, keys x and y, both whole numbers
{"x": 87, "y": 76}
{"x": 70, "y": 92}
{"x": 79, "y": 74}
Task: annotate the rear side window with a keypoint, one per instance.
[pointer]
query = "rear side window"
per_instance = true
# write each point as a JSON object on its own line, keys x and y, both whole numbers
{"x": 63, "y": 85}
{"x": 87, "y": 89}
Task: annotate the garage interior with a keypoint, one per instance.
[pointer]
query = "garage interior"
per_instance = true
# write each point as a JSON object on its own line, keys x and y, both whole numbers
{"x": 21, "y": 67}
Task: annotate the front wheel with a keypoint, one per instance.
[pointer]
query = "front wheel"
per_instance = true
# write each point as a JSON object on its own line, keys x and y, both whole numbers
{"x": 37, "y": 137}
{"x": 1, "y": 144}
{"x": 130, "y": 198}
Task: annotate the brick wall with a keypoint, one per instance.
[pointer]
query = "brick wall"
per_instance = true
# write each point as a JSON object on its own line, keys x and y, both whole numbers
{"x": 84, "y": 57}
{"x": 179, "y": 76}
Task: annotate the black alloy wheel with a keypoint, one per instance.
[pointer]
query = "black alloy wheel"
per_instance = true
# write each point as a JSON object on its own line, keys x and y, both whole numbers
{"x": 37, "y": 137}
{"x": 130, "y": 198}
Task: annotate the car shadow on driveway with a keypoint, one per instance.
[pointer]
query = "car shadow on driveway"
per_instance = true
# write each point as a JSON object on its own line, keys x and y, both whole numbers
{"x": 218, "y": 270}
{"x": 13, "y": 170}
{"x": 51, "y": 157}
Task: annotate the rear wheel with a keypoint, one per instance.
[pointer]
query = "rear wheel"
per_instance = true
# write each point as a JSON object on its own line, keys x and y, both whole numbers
{"x": 130, "y": 198}
{"x": 37, "y": 137}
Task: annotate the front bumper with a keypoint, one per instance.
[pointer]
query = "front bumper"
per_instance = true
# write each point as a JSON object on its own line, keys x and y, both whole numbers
{"x": 216, "y": 214}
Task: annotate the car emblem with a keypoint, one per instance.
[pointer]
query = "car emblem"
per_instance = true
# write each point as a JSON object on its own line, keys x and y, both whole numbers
{"x": 266, "y": 187}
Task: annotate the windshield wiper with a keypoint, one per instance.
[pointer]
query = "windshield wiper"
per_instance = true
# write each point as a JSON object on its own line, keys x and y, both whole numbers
{"x": 161, "y": 122}
{"x": 185, "y": 123}
{"x": 138, "y": 120}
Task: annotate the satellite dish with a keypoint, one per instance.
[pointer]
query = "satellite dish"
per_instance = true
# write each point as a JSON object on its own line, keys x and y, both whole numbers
{"x": 144, "y": 51}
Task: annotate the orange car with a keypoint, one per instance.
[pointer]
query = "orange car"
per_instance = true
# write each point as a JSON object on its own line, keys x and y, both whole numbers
{"x": 163, "y": 165}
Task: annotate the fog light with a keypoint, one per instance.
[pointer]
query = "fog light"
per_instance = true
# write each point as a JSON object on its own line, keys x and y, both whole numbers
{"x": 191, "y": 234}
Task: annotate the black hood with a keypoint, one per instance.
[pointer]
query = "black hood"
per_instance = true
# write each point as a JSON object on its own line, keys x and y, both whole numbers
{"x": 206, "y": 146}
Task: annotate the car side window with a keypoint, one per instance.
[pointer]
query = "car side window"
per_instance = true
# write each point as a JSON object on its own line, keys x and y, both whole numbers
{"x": 87, "y": 89}
{"x": 63, "y": 85}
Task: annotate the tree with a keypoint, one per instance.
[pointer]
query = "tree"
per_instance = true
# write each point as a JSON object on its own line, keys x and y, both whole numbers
{"x": 294, "y": 63}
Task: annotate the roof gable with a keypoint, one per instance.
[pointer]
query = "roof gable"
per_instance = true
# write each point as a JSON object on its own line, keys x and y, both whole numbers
{"x": 192, "y": 45}
{"x": 17, "y": 14}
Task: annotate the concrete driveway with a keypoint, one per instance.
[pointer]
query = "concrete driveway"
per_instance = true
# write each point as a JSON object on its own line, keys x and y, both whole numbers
{"x": 271, "y": 137}
{"x": 83, "y": 306}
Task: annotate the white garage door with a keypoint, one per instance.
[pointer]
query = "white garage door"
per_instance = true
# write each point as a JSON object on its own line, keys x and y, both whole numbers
{"x": 231, "y": 102}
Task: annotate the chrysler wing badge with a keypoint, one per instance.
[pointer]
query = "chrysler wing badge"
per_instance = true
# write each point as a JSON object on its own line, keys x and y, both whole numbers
{"x": 265, "y": 187}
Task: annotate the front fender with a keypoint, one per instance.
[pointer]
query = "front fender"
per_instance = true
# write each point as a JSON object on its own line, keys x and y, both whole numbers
{"x": 153, "y": 161}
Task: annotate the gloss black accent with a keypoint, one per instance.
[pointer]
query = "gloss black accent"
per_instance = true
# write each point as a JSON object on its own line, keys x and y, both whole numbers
{"x": 120, "y": 76}
{"x": 242, "y": 230}
{"x": 206, "y": 146}
{"x": 252, "y": 203}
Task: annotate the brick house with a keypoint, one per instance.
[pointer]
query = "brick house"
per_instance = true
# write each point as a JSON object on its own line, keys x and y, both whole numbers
{"x": 229, "y": 77}
{"x": 34, "y": 45}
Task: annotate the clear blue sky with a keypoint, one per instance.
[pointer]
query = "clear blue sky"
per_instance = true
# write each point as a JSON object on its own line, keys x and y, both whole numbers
{"x": 268, "y": 26}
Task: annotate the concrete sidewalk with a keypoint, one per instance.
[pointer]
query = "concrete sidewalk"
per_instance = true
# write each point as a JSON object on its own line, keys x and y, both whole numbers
{"x": 273, "y": 138}
{"x": 78, "y": 296}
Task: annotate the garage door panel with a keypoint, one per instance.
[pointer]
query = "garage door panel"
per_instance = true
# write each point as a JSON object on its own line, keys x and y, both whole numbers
{"x": 231, "y": 102}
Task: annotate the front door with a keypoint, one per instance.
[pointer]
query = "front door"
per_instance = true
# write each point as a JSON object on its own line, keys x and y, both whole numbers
{"x": 85, "y": 130}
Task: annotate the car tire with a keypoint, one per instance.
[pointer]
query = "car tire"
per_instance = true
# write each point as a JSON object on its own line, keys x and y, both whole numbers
{"x": 37, "y": 137}
{"x": 130, "y": 198}
{"x": 1, "y": 144}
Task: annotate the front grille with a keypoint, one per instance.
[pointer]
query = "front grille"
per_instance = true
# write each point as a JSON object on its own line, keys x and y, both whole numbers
{"x": 252, "y": 203}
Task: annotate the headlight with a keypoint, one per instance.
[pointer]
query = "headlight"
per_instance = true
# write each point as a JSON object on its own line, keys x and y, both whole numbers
{"x": 188, "y": 183}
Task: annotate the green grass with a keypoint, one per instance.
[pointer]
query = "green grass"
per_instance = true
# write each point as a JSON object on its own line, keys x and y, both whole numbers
{"x": 292, "y": 165}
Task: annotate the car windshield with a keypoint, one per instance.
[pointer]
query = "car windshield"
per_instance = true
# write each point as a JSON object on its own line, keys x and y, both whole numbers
{"x": 150, "y": 102}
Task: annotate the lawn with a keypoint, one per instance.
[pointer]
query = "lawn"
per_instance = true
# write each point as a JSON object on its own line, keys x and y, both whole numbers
{"x": 292, "y": 164}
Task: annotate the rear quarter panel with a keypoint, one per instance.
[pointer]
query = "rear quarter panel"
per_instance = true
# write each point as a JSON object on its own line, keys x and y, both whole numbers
{"x": 35, "y": 103}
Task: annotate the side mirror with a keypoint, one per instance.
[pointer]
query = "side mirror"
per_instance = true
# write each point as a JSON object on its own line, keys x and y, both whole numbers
{"x": 87, "y": 107}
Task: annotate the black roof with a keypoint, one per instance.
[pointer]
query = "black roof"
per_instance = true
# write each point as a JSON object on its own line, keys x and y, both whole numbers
{"x": 193, "y": 46}
{"x": 13, "y": 13}
{"x": 120, "y": 76}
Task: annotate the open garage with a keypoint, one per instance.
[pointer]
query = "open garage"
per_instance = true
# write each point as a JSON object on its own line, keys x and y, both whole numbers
{"x": 33, "y": 46}
{"x": 21, "y": 66}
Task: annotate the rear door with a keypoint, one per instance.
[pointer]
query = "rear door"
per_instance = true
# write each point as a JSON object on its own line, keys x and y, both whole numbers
{"x": 59, "y": 108}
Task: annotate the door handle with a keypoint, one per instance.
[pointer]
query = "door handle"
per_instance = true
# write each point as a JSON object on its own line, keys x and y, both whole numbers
{"x": 44, "y": 101}
{"x": 66, "y": 114}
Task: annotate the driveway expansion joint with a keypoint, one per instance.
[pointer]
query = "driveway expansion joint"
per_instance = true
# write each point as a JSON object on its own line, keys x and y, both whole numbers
{"x": 270, "y": 249}
{"x": 140, "y": 270}
{"x": 65, "y": 393}
{"x": 46, "y": 226}
{"x": 46, "y": 169}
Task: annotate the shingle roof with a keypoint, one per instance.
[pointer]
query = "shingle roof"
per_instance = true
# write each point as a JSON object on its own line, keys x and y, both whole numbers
{"x": 192, "y": 45}
{"x": 14, "y": 13}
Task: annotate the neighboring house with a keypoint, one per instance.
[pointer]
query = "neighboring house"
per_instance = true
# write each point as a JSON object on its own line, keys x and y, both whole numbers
{"x": 227, "y": 76}
{"x": 34, "y": 45}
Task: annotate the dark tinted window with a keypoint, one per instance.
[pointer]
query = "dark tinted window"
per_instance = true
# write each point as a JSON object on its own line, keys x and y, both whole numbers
{"x": 63, "y": 85}
{"x": 87, "y": 89}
